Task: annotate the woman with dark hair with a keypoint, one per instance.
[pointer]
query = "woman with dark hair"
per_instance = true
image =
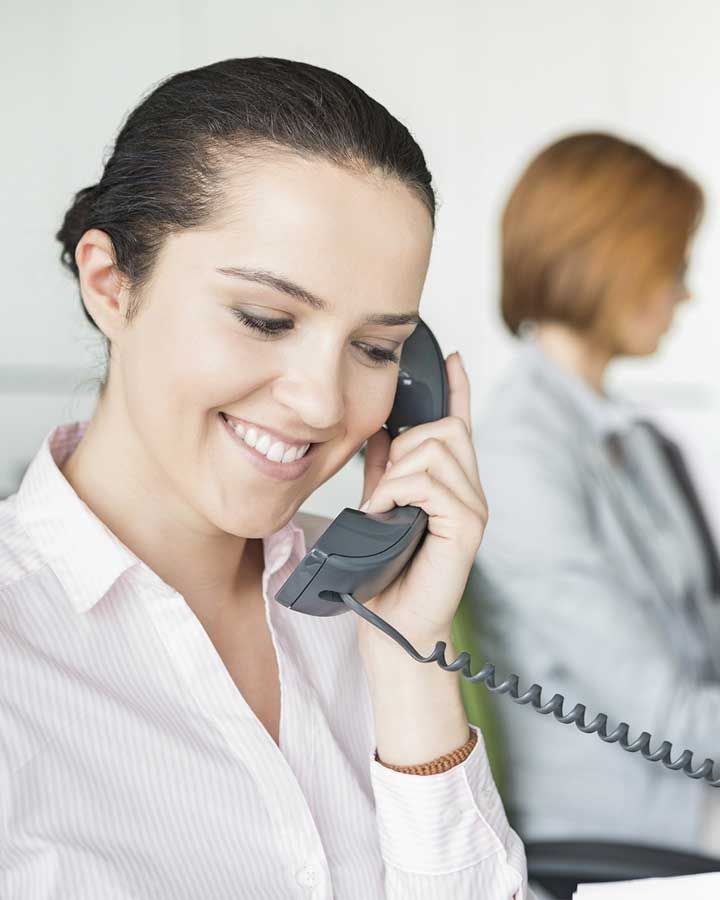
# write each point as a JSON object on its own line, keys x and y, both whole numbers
{"x": 598, "y": 576}
{"x": 254, "y": 255}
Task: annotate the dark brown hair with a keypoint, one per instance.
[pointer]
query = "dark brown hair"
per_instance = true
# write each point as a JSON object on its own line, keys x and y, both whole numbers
{"x": 165, "y": 172}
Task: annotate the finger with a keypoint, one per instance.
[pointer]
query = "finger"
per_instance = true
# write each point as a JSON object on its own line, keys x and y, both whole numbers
{"x": 448, "y": 516}
{"x": 434, "y": 457}
{"x": 452, "y": 430}
{"x": 458, "y": 390}
{"x": 376, "y": 457}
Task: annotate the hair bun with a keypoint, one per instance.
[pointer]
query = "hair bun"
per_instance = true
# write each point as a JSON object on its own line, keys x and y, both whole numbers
{"x": 74, "y": 226}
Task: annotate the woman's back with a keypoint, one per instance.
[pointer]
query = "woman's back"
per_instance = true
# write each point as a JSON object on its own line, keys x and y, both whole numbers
{"x": 595, "y": 585}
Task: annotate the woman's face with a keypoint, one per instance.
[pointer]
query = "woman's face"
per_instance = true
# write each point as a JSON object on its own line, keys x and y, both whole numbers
{"x": 278, "y": 326}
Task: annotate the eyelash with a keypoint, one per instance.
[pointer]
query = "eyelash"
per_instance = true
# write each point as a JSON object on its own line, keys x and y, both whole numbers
{"x": 270, "y": 327}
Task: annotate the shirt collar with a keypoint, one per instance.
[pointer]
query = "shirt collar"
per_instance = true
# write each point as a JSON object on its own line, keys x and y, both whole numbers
{"x": 85, "y": 555}
{"x": 607, "y": 415}
{"x": 279, "y": 547}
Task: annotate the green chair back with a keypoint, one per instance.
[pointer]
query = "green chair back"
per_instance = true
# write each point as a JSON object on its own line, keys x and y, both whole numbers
{"x": 476, "y": 697}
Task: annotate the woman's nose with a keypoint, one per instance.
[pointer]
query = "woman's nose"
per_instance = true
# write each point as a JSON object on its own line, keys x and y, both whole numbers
{"x": 315, "y": 395}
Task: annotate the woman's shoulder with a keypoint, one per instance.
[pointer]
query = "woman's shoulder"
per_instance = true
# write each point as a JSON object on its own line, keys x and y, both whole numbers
{"x": 523, "y": 413}
{"x": 530, "y": 448}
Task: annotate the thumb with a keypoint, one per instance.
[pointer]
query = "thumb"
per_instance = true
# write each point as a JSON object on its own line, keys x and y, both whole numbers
{"x": 377, "y": 451}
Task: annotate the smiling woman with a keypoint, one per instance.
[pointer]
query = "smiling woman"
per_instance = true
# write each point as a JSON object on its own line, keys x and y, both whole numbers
{"x": 253, "y": 256}
{"x": 200, "y": 344}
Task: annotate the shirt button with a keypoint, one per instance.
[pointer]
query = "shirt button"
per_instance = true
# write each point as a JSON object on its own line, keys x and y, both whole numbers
{"x": 307, "y": 876}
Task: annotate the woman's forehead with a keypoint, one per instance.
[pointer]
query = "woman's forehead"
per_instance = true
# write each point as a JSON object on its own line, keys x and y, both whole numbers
{"x": 312, "y": 194}
{"x": 330, "y": 229}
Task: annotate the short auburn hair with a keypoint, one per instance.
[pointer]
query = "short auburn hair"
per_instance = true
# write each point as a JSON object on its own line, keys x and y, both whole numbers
{"x": 593, "y": 225}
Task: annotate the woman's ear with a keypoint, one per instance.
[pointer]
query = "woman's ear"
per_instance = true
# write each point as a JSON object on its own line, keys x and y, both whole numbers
{"x": 101, "y": 285}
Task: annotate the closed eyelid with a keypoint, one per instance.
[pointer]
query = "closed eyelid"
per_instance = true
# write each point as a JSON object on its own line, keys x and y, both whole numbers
{"x": 275, "y": 314}
{"x": 261, "y": 310}
{"x": 270, "y": 327}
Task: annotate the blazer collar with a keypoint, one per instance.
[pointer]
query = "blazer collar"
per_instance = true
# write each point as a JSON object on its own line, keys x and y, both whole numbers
{"x": 605, "y": 414}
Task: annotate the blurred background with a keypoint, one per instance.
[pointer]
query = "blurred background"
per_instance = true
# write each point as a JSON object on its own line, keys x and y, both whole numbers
{"x": 482, "y": 86}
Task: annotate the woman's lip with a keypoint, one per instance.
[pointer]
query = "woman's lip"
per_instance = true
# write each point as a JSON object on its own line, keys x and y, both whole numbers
{"x": 290, "y": 442}
{"x": 280, "y": 471}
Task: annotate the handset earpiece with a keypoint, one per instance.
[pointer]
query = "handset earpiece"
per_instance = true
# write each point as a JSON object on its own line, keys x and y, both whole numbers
{"x": 361, "y": 553}
{"x": 422, "y": 391}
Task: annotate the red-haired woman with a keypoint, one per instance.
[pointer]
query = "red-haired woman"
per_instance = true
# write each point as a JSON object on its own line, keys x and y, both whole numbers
{"x": 598, "y": 570}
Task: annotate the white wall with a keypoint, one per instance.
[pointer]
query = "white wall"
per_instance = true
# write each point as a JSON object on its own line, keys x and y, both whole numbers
{"x": 481, "y": 84}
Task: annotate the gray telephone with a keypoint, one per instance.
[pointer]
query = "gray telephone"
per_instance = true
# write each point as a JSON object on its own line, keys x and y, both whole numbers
{"x": 360, "y": 554}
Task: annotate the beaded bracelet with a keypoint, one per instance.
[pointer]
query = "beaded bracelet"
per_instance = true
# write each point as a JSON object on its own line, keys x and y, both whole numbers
{"x": 441, "y": 764}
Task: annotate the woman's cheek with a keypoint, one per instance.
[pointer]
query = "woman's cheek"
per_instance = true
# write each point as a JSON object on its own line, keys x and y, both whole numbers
{"x": 221, "y": 373}
{"x": 371, "y": 416}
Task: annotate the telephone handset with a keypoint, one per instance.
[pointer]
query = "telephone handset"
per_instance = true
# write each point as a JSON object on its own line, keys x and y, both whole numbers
{"x": 360, "y": 554}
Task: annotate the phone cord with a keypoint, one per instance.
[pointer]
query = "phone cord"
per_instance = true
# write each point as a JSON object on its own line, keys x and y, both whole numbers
{"x": 533, "y": 697}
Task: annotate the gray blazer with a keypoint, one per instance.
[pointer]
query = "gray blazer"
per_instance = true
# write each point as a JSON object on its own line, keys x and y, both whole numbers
{"x": 591, "y": 580}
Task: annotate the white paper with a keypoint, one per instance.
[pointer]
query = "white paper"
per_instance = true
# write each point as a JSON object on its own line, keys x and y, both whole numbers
{"x": 685, "y": 887}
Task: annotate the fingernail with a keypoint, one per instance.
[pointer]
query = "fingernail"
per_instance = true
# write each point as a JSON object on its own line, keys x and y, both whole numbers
{"x": 462, "y": 363}
{"x": 388, "y": 465}
{"x": 365, "y": 506}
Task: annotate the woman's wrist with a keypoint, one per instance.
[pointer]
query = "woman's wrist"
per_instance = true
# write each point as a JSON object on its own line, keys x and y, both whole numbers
{"x": 417, "y": 707}
{"x": 439, "y": 765}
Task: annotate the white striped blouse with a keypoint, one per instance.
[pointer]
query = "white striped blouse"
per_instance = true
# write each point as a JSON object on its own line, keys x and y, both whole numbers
{"x": 132, "y": 767}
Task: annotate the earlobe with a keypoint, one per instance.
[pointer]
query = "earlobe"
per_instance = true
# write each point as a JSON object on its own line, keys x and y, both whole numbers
{"x": 101, "y": 285}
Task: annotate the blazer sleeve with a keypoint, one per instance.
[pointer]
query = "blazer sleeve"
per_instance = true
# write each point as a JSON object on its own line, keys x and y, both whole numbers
{"x": 546, "y": 572}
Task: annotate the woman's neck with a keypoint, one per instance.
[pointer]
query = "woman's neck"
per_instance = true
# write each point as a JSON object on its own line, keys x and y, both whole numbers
{"x": 214, "y": 572}
{"x": 575, "y": 352}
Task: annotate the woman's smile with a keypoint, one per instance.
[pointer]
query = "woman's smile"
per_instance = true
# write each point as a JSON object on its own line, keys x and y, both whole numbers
{"x": 277, "y": 458}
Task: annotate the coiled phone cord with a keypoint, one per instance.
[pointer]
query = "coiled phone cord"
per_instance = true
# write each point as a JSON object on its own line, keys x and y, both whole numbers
{"x": 533, "y": 697}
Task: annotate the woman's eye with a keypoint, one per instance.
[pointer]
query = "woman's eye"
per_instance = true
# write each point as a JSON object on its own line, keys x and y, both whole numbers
{"x": 263, "y": 326}
{"x": 378, "y": 356}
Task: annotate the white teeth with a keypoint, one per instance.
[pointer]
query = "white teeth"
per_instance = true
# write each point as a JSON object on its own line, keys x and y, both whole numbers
{"x": 263, "y": 444}
{"x": 276, "y": 452}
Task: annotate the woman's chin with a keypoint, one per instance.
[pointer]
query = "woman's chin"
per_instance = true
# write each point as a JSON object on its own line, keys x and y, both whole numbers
{"x": 257, "y": 523}
{"x": 641, "y": 346}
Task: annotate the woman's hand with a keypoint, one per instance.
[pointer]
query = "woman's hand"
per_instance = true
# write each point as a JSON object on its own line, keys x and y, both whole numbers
{"x": 418, "y": 710}
{"x": 432, "y": 466}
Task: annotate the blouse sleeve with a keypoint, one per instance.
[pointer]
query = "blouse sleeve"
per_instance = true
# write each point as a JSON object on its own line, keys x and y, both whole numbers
{"x": 446, "y": 835}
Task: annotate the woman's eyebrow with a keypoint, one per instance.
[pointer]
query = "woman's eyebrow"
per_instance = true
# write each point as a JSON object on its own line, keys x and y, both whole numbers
{"x": 278, "y": 283}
